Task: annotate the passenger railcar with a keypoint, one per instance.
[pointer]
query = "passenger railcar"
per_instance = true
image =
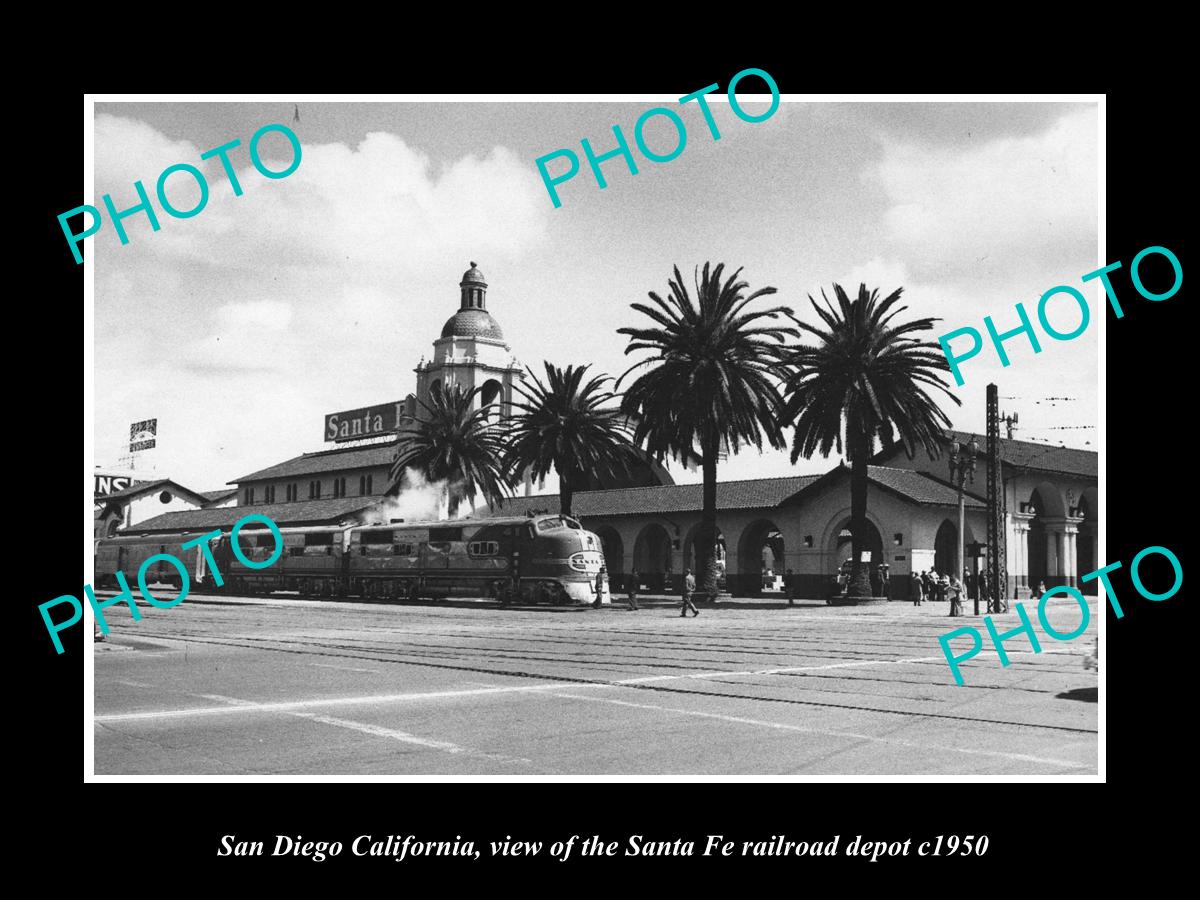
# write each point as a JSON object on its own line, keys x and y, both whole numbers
{"x": 128, "y": 553}
{"x": 546, "y": 558}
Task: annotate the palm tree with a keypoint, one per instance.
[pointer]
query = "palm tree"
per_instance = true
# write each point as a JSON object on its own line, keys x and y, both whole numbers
{"x": 453, "y": 442}
{"x": 712, "y": 383}
{"x": 564, "y": 426}
{"x": 865, "y": 377}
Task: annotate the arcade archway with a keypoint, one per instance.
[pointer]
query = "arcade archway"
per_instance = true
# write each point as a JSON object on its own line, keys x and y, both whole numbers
{"x": 1087, "y": 540}
{"x": 841, "y": 543}
{"x": 1044, "y": 503}
{"x": 760, "y": 560}
{"x": 689, "y": 556}
{"x": 652, "y": 557}
{"x": 614, "y": 549}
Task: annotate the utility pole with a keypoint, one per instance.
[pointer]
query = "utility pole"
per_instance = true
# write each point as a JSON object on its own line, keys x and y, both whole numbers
{"x": 997, "y": 552}
{"x": 962, "y": 467}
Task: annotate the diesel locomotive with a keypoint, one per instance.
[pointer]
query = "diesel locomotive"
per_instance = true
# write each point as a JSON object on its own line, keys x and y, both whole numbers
{"x": 527, "y": 559}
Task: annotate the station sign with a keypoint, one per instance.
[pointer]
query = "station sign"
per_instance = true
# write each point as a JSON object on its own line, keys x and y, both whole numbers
{"x": 370, "y": 421}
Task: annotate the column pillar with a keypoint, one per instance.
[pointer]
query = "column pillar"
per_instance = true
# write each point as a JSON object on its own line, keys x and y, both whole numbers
{"x": 1072, "y": 558}
{"x": 1021, "y": 577}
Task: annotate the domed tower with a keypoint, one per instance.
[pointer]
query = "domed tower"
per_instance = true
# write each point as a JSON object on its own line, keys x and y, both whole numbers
{"x": 471, "y": 351}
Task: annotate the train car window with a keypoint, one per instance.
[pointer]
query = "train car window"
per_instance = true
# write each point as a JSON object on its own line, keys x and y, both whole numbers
{"x": 483, "y": 548}
{"x": 445, "y": 534}
{"x": 265, "y": 540}
{"x": 295, "y": 551}
{"x": 402, "y": 549}
{"x": 318, "y": 538}
{"x": 376, "y": 537}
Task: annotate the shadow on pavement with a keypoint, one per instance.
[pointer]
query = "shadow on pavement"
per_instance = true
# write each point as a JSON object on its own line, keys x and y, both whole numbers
{"x": 1086, "y": 695}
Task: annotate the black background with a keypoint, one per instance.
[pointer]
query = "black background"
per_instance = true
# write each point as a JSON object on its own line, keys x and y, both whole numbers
{"x": 125, "y": 831}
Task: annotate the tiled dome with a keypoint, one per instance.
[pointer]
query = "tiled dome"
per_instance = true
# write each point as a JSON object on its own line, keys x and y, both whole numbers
{"x": 473, "y": 323}
{"x": 473, "y": 275}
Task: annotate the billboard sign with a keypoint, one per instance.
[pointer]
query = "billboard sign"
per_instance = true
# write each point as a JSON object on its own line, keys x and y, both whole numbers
{"x": 110, "y": 484}
{"x": 142, "y": 435}
{"x": 370, "y": 421}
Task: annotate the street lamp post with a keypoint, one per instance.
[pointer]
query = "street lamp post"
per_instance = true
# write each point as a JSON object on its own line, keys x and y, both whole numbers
{"x": 962, "y": 466}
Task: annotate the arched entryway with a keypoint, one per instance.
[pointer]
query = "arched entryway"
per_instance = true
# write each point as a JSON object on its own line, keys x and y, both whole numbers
{"x": 945, "y": 550}
{"x": 614, "y": 549}
{"x": 1087, "y": 541}
{"x": 689, "y": 557}
{"x": 652, "y": 557}
{"x": 840, "y": 544}
{"x": 760, "y": 561}
{"x": 1044, "y": 504}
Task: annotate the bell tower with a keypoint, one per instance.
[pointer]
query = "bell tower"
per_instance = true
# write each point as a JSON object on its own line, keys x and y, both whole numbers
{"x": 472, "y": 352}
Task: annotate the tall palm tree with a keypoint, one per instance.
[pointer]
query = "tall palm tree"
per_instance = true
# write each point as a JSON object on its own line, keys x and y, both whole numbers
{"x": 711, "y": 383}
{"x": 566, "y": 426}
{"x": 865, "y": 377}
{"x": 453, "y": 442}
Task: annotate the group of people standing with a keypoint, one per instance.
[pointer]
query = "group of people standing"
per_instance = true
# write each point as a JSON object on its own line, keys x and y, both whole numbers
{"x": 940, "y": 588}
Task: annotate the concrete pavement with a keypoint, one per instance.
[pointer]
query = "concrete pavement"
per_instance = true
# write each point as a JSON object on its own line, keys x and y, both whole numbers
{"x": 289, "y": 686}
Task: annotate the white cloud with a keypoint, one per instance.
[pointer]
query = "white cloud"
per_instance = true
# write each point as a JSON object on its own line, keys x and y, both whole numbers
{"x": 1022, "y": 201}
{"x": 382, "y": 203}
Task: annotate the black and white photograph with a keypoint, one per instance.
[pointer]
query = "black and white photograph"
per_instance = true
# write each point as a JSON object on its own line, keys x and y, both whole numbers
{"x": 736, "y": 434}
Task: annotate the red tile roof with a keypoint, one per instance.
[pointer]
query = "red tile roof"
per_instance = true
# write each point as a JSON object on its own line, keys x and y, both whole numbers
{"x": 145, "y": 487}
{"x": 750, "y": 494}
{"x": 311, "y": 512}
{"x": 327, "y": 461}
{"x": 1024, "y": 455}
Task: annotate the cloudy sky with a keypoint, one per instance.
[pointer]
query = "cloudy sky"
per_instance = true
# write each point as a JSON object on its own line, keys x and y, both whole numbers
{"x": 241, "y": 327}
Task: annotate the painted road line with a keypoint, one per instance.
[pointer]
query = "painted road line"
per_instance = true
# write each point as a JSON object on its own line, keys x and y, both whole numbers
{"x": 345, "y": 668}
{"x": 376, "y": 731}
{"x": 781, "y": 726}
{"x": 291, "y": 705}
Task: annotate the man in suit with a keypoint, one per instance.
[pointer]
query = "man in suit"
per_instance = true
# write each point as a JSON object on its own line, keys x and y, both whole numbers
{"x": 689, "y": 588}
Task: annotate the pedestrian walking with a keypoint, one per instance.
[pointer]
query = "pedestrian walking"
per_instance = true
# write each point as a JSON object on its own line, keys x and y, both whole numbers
{"x": 886, "y": 580}
{"x": 917, "y": 590}
{"x": 689, "y": 588}
{"x": 876, "y": 583}
{"x": 789, "y": 582}
{"x": 601, "y": 579}
{"x": 943, "y": 590}
{"x": 633, "y": 589}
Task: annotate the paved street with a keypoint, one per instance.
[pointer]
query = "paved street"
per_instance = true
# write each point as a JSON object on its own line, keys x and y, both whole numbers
{"x": 283, "y": 686}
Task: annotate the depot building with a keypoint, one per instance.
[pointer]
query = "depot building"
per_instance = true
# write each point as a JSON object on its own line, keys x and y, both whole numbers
{"x": 649, "y": 524}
